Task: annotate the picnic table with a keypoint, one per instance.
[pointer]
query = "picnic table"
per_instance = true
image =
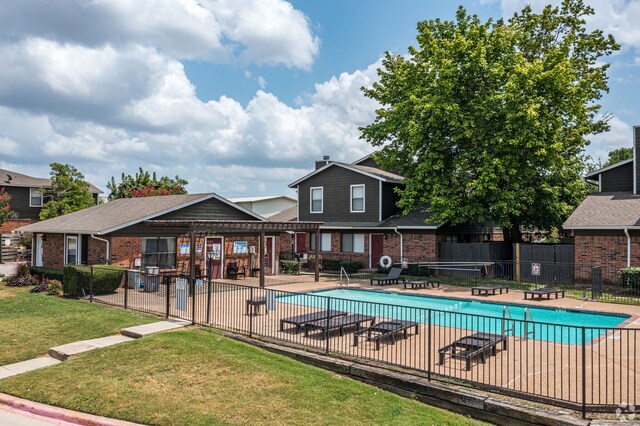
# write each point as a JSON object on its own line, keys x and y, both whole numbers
{"x": 473, "y": 346}
{"x": 543, "y": 292}
{"x": 485, "y": 289}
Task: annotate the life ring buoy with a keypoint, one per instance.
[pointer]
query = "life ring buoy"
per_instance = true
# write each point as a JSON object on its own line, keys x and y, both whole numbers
{"x": 386, "y": 262}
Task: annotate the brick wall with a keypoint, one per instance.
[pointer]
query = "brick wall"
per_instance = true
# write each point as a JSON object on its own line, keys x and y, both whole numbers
{"x": 420, "y": 246}
{"x": 124, "y": 250}
{"x": 608, "y": 251}
{"x": 96, "y": 251}
{"x": 11, "y": 224}
{"x": 53, "y": 251}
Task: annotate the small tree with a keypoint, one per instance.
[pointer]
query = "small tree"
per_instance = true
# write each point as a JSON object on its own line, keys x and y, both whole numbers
{"x": 145, "y": 184}
{"x": 69, "y": 192}
{"x": 618, "y": 155}
{"x": 5, "y": 207}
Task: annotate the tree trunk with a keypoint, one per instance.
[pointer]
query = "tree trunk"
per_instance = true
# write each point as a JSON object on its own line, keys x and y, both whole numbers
{"x": 512, "y": 234}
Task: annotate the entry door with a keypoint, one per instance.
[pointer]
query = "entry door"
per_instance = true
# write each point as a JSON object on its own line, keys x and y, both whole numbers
{"x": 214, "y": 256}
{"x": 377, "y": 249}
{"x": 39, "y": 247}
{"x": 268, "y": 256}
{"x": 301, "y": 242}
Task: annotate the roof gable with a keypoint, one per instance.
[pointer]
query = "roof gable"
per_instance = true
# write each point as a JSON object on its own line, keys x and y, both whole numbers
{"x": 595, "y": 173}
{"x": 372, "y": 172}
{"x": 9, "y": 178}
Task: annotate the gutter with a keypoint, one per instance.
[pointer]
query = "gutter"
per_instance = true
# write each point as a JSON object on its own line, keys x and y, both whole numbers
{"x": 397, "y": 232}
{"x": 108, "y": 257}
{"x": 626, "y": 232}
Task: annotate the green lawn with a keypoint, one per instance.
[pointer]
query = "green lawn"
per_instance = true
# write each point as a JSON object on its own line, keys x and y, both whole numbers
{"x": 200, "y": 377}
{"x": 31, "y": 323}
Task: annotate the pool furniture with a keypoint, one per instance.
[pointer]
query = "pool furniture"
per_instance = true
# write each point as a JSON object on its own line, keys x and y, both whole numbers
{"x": 234, "y": 271}
{"x": 422, "y": 284}
{"x": 476, "y": 345}
{"x": 256, "y": 303}
{"x": 393, "y": 277}
{"x": 382, "y": 330}
{"x": 301, "y": 320}
{"x": 485, "y": 289}
{"x": 339, "y": 323}
{"x": 543, "y": 292}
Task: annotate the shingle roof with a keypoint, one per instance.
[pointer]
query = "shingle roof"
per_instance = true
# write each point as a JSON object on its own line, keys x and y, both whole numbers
{"x": 371, "y": 171}
{"x": 378, "y": 172}
{"x": 9, "y": 178}
{"x": 593, "y": 175}
{"x": 418, "y": 217}
{"x": 107, "y": 217}
{"x": 613, "y": 210}
{"x": 255, "y": 199}
{"x": 286, "y": 215}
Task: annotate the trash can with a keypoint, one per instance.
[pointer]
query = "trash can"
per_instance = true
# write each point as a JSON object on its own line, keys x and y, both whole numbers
{"x": 152, "y": 279}
{"x": 133, "y": 278}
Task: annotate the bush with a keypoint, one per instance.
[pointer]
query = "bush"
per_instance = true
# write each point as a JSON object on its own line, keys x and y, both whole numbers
{"x": 106, "y": 279}
{"x": 41, "y": 287}
{"x": 290, "y": 267}
{"x": 50, "y": 273}
{"x": 630, "y": 277}
{"x": 22, "y": 270}
{"x": 55, "y": 288}
{"x": 22, "y": 281}
{"x": 351, "y": 266}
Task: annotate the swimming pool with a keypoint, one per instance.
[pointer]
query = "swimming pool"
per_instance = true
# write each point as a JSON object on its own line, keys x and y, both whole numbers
{"x": 556, "y": 325}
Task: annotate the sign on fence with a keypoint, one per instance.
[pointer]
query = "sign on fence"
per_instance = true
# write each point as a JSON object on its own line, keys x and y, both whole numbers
{"x": 181, "y": 293}
{"x": 535, "y": 269}
{"x": 405, "y": 263}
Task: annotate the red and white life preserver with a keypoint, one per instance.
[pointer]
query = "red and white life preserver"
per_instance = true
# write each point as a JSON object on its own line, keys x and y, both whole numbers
{"x": 386, "y": 262}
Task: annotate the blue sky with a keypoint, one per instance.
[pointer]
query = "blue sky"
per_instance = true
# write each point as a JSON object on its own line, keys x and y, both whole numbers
{"x": 238, "y": 97}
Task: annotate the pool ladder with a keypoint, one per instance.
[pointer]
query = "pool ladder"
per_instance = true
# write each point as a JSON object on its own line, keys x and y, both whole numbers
{"x": 344, "y": 272}
{"x": 509, "y": 325}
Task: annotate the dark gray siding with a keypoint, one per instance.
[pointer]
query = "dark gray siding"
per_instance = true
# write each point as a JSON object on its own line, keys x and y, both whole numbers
{"x": 369, "y": 162}
{"x": 636, "y": 143}
{"x": 389, "y": 200}
{"x": 618, "y": 179}
{"x": 20, "y": 203}
{"x": 336, "y": 182}
{"x": 211, "y": 209}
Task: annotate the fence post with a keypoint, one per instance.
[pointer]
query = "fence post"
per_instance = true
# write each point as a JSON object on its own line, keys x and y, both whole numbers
{"x": 193, "y": 300}
{"x": 584, "y": 374}
{"x": 209, "y": 299}
{"x": 251, "y": 313}
{"x": 327, "y": 328}
{"x": 126, "y": 289}
{"x": 167, "y": 289}
{"x": 429, "y": 344}
{"x": 91, "y": 284}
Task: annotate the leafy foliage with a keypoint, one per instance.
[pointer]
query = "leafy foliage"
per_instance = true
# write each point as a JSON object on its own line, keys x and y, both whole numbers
{"x": 55, "y": 288}
{"x": 618, "y": 155}
{"x": 106, "y": 279}
{"x": 22, "y": 278}
{"x": 41, "y": 287}
{"x": 50, "y": 273}
{"x": 144, "y": 184}
{"x": 5, "y": 207}
{"x": 630, "y": 277}
{"x": 488, "y": 120}
{"x": 289, "y": 267}
{"x": 69, "y": 192}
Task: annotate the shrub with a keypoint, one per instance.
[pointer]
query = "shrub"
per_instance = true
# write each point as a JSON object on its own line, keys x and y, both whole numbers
{"x": 630, "y": 277}
{"x": 290, "y": 267}
{"x": 41, "y": 287}
{"x": 106, "y": 279}
{"x": 351, "y": 266}
{"x": 50, "y": 273}
{"x": 331, "y": 264}
{"x": 22, "y": 281}
{"x": 55, "y": 288}
{"x": 22, "y": 270}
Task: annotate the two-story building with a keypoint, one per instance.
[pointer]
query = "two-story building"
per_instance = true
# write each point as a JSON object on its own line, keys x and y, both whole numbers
{"x": 356, "y": 203}
{"x": 27, "y": 198}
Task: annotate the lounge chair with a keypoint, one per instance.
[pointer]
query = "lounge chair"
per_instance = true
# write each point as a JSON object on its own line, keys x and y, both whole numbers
{"x": 476, "y": 345}
{"x": 338, "y": 323}
{"x": 422, "y": 283}
{"x": 377, "y": 332}
{"x": 485, "y": 289}
{"x": 543, "y": 292}
{"x": 301, "y": 320}
{"x": 393, "y": 277}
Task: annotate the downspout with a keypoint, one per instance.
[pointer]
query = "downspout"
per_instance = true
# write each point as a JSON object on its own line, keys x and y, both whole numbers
{"x": 108, "y": 257}
{"x": 396, "y": 231}
{"x": 626, "y": 232}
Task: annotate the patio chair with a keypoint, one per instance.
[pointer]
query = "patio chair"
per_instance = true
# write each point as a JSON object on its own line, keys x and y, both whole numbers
{"x": 234, "y": 271}
{"x": 543, "y": 292}
{"x": 382, "y": 330}
{"x": 301, "y": 320}
{"x": 476, "y": 345}
{"x": 393, "y": 277}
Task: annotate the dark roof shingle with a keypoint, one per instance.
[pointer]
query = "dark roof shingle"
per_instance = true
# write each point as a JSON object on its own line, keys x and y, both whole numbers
{"x": 615, "y": 210}
{"x": 9, "y": 178}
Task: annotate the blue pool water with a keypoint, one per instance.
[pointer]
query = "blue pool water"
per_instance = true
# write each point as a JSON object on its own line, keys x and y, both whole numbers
{"x": 556, "y": 325}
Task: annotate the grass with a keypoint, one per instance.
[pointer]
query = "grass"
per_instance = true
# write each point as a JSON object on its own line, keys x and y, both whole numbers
{"x": 31, "y": 323}
{"x": 200, "y": 377}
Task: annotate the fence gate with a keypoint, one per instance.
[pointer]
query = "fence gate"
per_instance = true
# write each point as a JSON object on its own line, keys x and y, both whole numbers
{"x": 547, "y": 263}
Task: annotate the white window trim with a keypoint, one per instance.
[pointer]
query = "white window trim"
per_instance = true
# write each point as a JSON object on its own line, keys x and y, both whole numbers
{"x": 351, "y": 198}
{"x": 311, "y": 199}
{"x": 41, "y": 198}
{"x": 78, "y": 248}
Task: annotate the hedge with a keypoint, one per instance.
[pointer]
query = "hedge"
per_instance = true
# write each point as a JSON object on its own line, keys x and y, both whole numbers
{"x": 50, "y": 273}
{"x": 290, "y": 267}
{"x": 351, "y": 266}
{"x": 106, "y": 279}
{"x": 630, "y": 277}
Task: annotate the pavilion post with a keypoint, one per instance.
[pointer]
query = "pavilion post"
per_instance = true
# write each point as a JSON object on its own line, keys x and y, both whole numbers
{"x": 317, "y": 258}
{"x": 192, "y": 273}
{"x": 261, "y": 258}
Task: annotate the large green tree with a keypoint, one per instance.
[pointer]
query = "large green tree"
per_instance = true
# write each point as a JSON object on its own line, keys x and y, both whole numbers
{"x": 488, "y": 120}
{"x": 145, "y": 184}
{"x": 618, "y": 155}
{"x": 69, "y": 192}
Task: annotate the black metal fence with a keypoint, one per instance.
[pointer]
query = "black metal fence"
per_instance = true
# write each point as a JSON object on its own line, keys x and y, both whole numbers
{"x": 590, "y": 369}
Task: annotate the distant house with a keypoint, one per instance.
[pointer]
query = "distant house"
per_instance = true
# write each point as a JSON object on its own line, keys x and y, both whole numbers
{"x": 265, "y": 206}
{"x": 356, "y": 203}
{"x": 606, "y": 225}
{"x": 27, "y": 198}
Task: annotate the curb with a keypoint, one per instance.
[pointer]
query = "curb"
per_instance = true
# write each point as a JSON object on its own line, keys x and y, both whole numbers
{"x": 60, "y": 414}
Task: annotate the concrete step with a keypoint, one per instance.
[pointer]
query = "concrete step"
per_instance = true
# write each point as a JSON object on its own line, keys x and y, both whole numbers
{"x": 63, "y": 352}
{"x": 25, "y": 366}
{"x": 155, "y": 327}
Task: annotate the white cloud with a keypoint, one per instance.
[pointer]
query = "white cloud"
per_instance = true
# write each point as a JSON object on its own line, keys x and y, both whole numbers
{"x": 620, "y": 135}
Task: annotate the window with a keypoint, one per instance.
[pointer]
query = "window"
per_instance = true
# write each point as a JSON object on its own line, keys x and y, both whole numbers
{"x": 357, "y": 198}
{"x": 71, "y": 252}
{"x": 353, "y": 243}
{"x": 325, "y": 242}
{"x": 160, "y": 252}
{"x": 35, "y": 197}
{"x": 316, "y": 200}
